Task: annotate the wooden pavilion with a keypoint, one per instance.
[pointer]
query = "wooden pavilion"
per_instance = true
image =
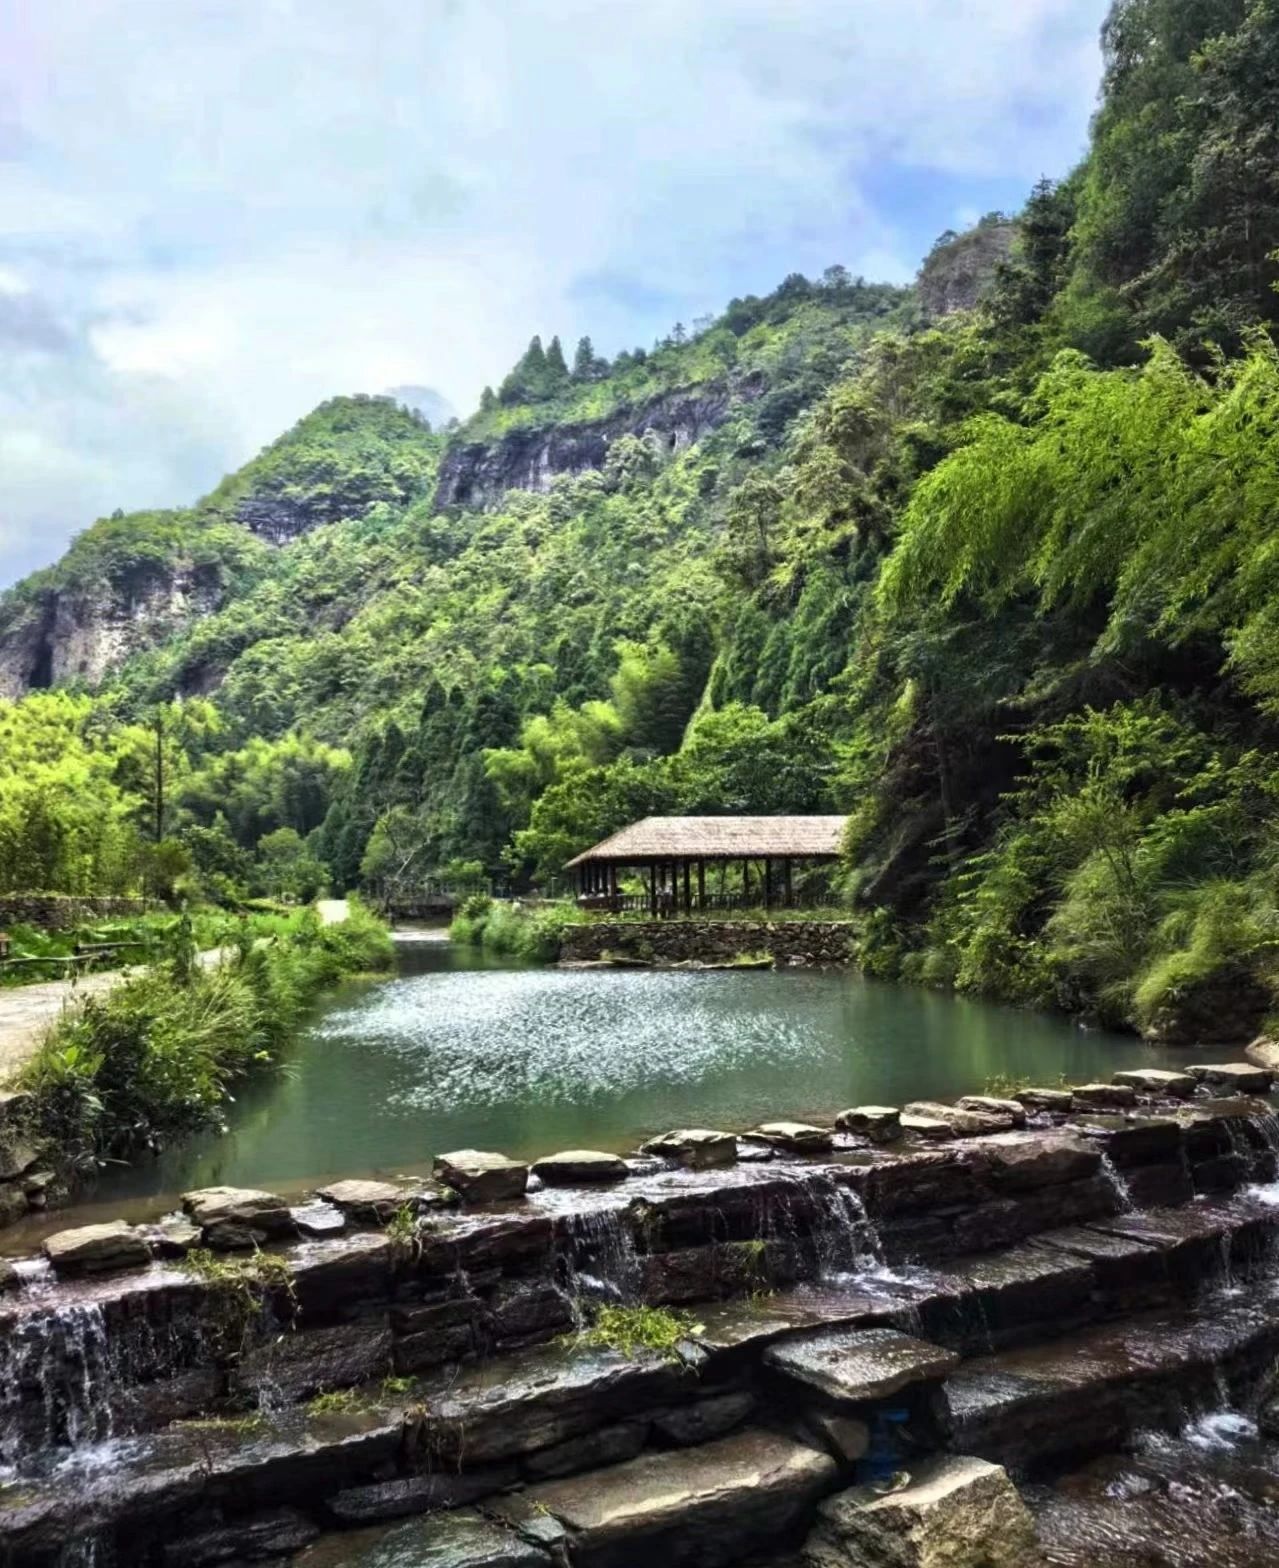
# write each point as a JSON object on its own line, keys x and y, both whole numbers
{"x": 671, "y": 854}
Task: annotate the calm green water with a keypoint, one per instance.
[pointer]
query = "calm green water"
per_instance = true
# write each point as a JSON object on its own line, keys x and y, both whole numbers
{"x": 462, "y": 1051}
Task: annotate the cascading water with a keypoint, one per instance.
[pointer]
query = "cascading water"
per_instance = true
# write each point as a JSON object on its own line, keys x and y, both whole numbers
{"x": 598, "y": 1258}
{"x": 830, "y": 1217}
{"x": 56, "y": 1378}
{"x": 846, "y": 1240}
{"x": 1115, "y": 1181}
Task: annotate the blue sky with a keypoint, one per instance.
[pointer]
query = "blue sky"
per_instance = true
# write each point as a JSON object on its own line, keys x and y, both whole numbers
{"x": 216, "y": 213}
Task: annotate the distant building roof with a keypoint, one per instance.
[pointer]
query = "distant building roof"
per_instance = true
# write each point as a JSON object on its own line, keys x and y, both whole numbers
{"x": 719, "y": 838}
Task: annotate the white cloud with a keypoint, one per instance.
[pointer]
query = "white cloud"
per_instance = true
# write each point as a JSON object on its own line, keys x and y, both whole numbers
{"x": 234, "y": 208}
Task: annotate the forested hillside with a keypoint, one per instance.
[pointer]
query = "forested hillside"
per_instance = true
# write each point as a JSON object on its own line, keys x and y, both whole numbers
{"x": 1000, "y": 581}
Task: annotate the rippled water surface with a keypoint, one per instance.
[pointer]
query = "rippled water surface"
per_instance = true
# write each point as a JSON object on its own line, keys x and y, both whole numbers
{"x": 460, "y": 1051}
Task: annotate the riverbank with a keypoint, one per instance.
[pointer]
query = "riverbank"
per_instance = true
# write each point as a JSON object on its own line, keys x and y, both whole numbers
{"x": 155, "y": 1055}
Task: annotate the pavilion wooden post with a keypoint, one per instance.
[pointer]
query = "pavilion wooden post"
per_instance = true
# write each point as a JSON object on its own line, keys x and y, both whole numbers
{"x": 746, "y": 883}
{"x": 788, "y": 891}
{"x": 652, "y": 889}
{"x": 701, "y": 884}
{"x": 768, "y": 883}
{"x": 612, "y": 884}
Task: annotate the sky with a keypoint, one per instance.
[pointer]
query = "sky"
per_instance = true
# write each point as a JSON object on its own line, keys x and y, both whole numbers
{"x": 216, "y": 213}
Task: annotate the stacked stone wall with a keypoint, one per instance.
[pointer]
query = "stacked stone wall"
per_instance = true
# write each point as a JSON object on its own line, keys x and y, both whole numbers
{"x": 59, "y": 912}
{"x": 709, "y": 941}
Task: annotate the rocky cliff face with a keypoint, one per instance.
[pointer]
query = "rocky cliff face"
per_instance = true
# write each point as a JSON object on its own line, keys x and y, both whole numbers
{"x": 65, "y": 635}
{"x": 961, "y": 267}
{"x": 479, "y": 473}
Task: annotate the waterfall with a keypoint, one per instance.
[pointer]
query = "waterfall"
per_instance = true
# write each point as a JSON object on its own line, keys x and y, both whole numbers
{"x": 846, "y": 1240}
{"x": 56, "y": 1380}
{"x": 1117, "y": 1184}
{"x": 598, "y": 1259}
{"x": 87, "y": 1552}
{"x": 832, "y": 1219}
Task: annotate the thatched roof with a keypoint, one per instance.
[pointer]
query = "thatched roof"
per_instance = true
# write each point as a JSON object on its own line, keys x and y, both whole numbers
{"x": 719, "y": 838}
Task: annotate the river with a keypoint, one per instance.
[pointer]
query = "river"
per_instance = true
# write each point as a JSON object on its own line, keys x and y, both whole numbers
{"x": 460, "y": 1050}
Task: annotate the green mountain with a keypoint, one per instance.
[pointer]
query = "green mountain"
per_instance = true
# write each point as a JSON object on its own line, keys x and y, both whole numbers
{"x": 988, "y": 564}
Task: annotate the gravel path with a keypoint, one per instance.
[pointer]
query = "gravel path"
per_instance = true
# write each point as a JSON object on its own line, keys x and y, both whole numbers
{"x": 27, "y": 1011}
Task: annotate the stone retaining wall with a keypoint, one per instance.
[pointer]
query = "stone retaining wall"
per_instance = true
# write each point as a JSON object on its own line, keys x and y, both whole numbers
{"x": 709, "y": 941}
{"x": 58, "y": 912}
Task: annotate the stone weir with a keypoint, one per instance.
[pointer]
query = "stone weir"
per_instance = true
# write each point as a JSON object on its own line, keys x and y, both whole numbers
{"x": 710, "y": 1351}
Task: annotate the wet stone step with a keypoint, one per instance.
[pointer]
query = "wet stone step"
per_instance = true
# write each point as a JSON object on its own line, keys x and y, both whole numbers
{"x": 1201, "y": 1241}
{"x": 462, "y": 1539}
{"x": 742, "y": 1329}
{"x": 460, "y": 1424}
{"x": 1090, "y": 1390}
{"x": 858, "y": 1366}
{"x": 703, "y": 1506}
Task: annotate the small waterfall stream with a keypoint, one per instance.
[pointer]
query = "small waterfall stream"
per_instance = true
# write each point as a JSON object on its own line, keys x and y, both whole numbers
{"x": 1115, "y": 1181}
{"x": 66, "y": 1359}
{"x": 598, "y": 1260}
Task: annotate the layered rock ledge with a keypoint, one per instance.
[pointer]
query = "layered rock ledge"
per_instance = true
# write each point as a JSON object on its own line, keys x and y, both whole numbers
{"x": 428, "y": 1369}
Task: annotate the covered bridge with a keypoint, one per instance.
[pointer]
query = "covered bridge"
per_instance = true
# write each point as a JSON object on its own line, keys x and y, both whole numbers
{"x": 671, "y": 855}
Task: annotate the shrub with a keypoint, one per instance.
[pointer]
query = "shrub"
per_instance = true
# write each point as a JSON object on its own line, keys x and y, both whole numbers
{"x": 535, "y": 932}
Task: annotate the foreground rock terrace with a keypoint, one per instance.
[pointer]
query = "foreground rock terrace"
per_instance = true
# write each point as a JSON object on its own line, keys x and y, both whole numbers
{"x": 1005, "y": 1295}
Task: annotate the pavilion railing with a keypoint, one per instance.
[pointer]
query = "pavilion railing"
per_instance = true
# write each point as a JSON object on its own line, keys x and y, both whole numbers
{"x": 667, "y": 904}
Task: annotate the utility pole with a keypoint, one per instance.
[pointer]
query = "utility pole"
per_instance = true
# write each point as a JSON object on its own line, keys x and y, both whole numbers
{"x": 159, "y": 774}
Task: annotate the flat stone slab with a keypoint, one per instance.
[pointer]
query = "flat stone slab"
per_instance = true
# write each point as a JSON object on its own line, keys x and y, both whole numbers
{"x": 212, "y": 1206}
{"x": 962, "y": 1123}
{"x": 1264, "y": 1052}
{"x": 572, "y": 1167}
{"x": 1044, "y": 1099}
{"x": 1242, "y": 1077}
{"x": 933, "y": 1129}
{"x": 955, "y": 1511}
{"x": 750, "y": 1323}
{"x": 1024, "y": 1161}
{"x": 366, "y": 1199}
{"x": 692, "y": 1506}
{"x": 462, "y": 1538}
{"x": 92, "y": 1249}
{"x": 1157, "y": 1080}
{"x": 1115, "y": 1096}
{"x": 799, "y": 1137}
{"x": 852, "y": 1366}
{"x": 481, "y": 1176}
{"x": 697, "y": 1147}
{"x": 879, "y": 1123}
{"x": 993, "y": 1105}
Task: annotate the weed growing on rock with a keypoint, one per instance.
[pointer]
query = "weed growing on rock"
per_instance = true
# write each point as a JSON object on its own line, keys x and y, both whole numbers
{"x": 632, "y": 1329}
{"x": 242, "y": 1289}
{"x": 404, "y": 1232}
{"x": 336, "y": 1402}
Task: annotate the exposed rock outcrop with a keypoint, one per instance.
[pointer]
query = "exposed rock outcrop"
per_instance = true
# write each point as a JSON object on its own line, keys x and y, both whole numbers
{"x": 960, "y": 268}
{"x": 64, "y": 634}
{"x": 479, "y": 473}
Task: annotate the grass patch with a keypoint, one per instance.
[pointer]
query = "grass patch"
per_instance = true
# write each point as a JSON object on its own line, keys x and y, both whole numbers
{"x": 336, "y": 1402}
{"x": 632, "y": 1329}
{"x": 404, "y": 1232}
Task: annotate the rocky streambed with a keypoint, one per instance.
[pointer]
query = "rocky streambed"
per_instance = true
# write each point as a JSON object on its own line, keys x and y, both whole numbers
{"x": 891, "y": 1341}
